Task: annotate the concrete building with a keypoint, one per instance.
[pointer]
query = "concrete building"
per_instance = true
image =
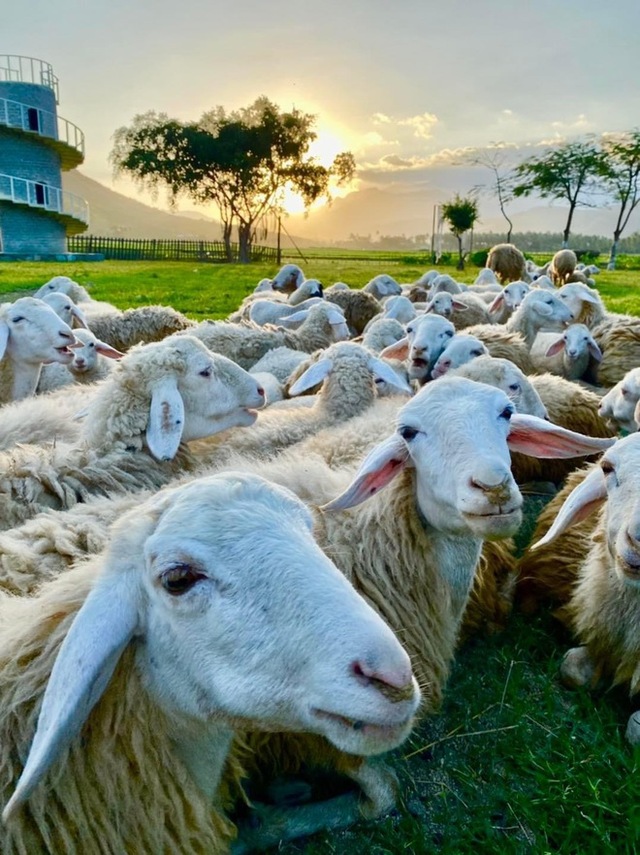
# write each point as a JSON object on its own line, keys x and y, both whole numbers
{"x": 36, "y": 146}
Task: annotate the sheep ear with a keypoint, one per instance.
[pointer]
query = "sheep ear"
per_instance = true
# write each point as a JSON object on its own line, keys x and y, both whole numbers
{"x": 315, "y": 374}
{"x": 429, "y": 307}
{"x": 556, "y": 347}
{"x": 458, "y": 306}
{"x": 539, "y": 438}
{"x": 589, "y": 298}
{"x": 595, "y": 351}
{"x": 4, "y": 337}
{"x": 295, "y": 319}
{"x": 108, "y": 351}
{"x": 80, "y": 316}
{"x": 397, "y": 350}
{"x": 385, "y": 372}
{"x": 581, "y": 501}
{"x": 166, "y": 419}
{"x": 85, "y": 663}
{"x": 496, "y": 303}
{"x": 378, "y": 468}
{"x": 544, "y": 309}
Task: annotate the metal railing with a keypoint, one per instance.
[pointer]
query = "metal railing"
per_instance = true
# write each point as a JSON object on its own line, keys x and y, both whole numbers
{"x": 28, "y": 69}
{"x": 24, "y": 191}
{"x": 15, "y": 114}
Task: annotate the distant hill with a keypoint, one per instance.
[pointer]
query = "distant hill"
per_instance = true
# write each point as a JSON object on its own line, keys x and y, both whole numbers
{"x": 394, "y": 210}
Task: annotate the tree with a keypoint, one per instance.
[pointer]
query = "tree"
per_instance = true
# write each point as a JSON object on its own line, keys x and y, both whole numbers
{"x": 570, "y": 172}
{"x": 621, "y": 174}
{"x": 242, "y": 162}
{"x": 461, "y": 214}
{"x": 496, "y": 159}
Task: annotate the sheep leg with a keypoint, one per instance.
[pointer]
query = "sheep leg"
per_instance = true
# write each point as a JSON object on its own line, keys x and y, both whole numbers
{"x": 379, "y": 786}
{"x": 578, "y": 669}
{"x": 275, "y": 825}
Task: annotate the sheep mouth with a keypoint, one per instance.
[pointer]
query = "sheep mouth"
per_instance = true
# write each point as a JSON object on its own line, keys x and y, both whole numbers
{"x": 629, "y": 564}
{"x": 366, "y": 728}
{"x": 419, "y": 363}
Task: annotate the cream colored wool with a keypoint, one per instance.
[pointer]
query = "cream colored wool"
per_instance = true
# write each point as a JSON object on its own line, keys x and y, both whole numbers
{"x": 133, "y": 326}
{"x": 507, "y": 262}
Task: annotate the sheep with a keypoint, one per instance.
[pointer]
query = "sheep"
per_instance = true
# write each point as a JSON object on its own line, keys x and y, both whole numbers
{"x": 30, "y": 334}
{"x": 620, "y": 402}
{"x": 503, "y": 345}
{"x": 566, "y": 355}
{"x": 416, "y": 293}
{"x": 382, "y": 332}
{"x": 382, "y": 285}
{"x": 281, "y": 362}
{"x": 133, "y": 326}
{"x": 308, "y": 290}
{"x": 577, "y": 276}
{"x": 66, "y": 309}
{"x": 605, "y": 606}
{"x": 562, "y": 266}
{"x": 347, "y": 372}
{"x": 463, "y": 310}
{"x": 538, "y": 310}
{"x": 426, "y": 337}
{"x": 486, "y": 277}
{"x": 67, "y": 286}
{"x": 160, "y": 396}
{"x": 504, "y": 375}
{"x": 444, "y": 282}
{"x": 426, "y": 279}
{"x": 584, "y": 303}
{"x": 91, "y": 363}
{"x": 359, "y": 307}
{"x": 461, "y": 349}
{"x": 399, "y": 307}
{"x": 288, "y": 278}
{"x": 544, "y": 282}
{"x": 264, "y": 312}
{"x": 205, "y": 613}
{"x": 618, "y": 337}
{"x": 507, "y": 262}
{"x": 571, "y": 406}
{"x": 323, "y": 325}
{"x": 507, "y": 301}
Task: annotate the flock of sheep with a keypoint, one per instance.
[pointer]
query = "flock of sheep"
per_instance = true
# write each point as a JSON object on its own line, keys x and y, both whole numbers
{"x": 212, "y": 533}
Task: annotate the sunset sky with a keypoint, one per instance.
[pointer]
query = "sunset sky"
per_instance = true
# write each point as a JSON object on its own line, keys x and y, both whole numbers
{"x": 402, "y": 84}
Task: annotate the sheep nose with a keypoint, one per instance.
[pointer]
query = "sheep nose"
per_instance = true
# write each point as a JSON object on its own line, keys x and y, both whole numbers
{"x": 395, "y": 683}
{"x": 417, "y": 351}
{"x": 633, "y": 535}
{"x": 497, "y": 492}
{"x": 79, "y": 363}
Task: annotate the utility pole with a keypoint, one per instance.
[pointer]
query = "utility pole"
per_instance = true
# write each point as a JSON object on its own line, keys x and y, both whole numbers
{"x": 279, "y": 250}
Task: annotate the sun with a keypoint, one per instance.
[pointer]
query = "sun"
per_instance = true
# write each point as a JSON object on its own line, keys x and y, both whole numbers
{"x": 327, "y": 144}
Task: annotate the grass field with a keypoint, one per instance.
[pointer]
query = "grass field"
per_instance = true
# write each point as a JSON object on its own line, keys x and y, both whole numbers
{"x": 514, "y": 763}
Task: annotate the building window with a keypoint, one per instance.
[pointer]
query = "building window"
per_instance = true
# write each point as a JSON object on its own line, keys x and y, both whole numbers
{"x": 39, "y": 194}
{"x": 33, "y": 119}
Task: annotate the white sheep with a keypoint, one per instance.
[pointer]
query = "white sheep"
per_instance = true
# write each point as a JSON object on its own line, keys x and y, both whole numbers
{"x": 584, "y": 303}
{"x": 427, "y": 278}
{"x": 206, "y": 612}
{"x": 444, "y": 282}
{"x": 281, "y": 362}
{"x": 160, "y": 396}
{"x": 263, "y": 312}
{"x": 382, "y": 332}
{"x": 30, "y": 334}
{"x": 619, "y": 404}
{"x": 398, "y": 307}
{"x": 538, "y": 310}
{"x": 92, "y": 361}
{"x": 460, "y": 350}
{"x": 486, "y": 277}
{"x": 132, "y": 326}
{"x": 605, "y": 606}
{"x": 66, "y": 309}
{"x": 504, "y": 375}
{"x": 71, "y": 288}
{"x": 288, "y": 278}
{"x": 544, "y": 282}
{"x": 507, "y": 301}
{"x": 425, "y": 339}
{"x": 309, "y": 289}
{"x": 382, "y": 285}
{"x": 463, "y": 310}
{"x": 567, "y": 355}
{"x": 324, "y": 324}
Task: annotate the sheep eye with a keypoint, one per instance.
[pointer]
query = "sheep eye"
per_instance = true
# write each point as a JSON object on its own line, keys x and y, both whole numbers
{"x": 205, "y": 373}
{"x": 91, "y": 344}
{"x": 624, "y": 392}
{"x": 514, "y": 387}
{"x": 506, "y": 413}
{"x": 408, "y": 433}
{"x": 607, "y": 467}
{"x": 409, "y": 329}
{"x": 18, "y": 319}
{"x": 180, "y": 579}
{"x": 476, "y": 353}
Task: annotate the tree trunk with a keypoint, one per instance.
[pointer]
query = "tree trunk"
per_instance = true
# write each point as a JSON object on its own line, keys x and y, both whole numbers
{"x": 226, "y": 238}
{"x": 567, "y": 228}
{"x": 613, "y": 253}
{"x": 244, "y": 242}
{"x": 460, "y": 265}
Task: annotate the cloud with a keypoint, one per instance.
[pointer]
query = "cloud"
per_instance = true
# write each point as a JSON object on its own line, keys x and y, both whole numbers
{"x": 422, "y": 125}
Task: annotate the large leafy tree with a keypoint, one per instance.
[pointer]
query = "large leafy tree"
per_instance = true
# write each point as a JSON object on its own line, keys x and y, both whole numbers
{"x": 570, "y": 172}
{"x": 621, "y": 176}
{"x": 241, "y": 161}
{"x": 461, "y": 213}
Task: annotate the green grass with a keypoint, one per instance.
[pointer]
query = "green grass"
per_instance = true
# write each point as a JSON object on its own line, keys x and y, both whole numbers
{"x": 215, "y": 290}
{"x": 514, "y": 763}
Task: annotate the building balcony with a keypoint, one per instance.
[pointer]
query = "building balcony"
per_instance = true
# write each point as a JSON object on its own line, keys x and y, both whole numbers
{"x": 66, "y": 207}
{"x": 28, "y": 69}
{"x": 58, "y": 133}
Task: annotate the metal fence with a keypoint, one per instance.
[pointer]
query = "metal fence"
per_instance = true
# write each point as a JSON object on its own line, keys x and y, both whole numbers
{"x": 141, "y": 249}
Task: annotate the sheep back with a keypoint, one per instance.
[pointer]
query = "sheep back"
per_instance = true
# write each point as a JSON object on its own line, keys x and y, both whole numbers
{"x": 507, "y": 262}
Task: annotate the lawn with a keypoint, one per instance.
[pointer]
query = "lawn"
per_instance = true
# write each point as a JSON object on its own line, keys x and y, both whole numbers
{"x": 514, "y": 763}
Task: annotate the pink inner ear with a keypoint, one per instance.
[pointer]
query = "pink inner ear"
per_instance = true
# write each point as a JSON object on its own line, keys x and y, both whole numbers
{"x": 556, "y": 347}
{"x": 499, "y": 300}
{"x": 538, "y": 438}
{"x": 365, "y": 486}
{"x": 399, "y": 350}
{"x": 377, "y": 480}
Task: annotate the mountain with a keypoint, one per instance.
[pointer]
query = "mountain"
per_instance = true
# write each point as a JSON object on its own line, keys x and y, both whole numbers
{"x": 396, "y": 209}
